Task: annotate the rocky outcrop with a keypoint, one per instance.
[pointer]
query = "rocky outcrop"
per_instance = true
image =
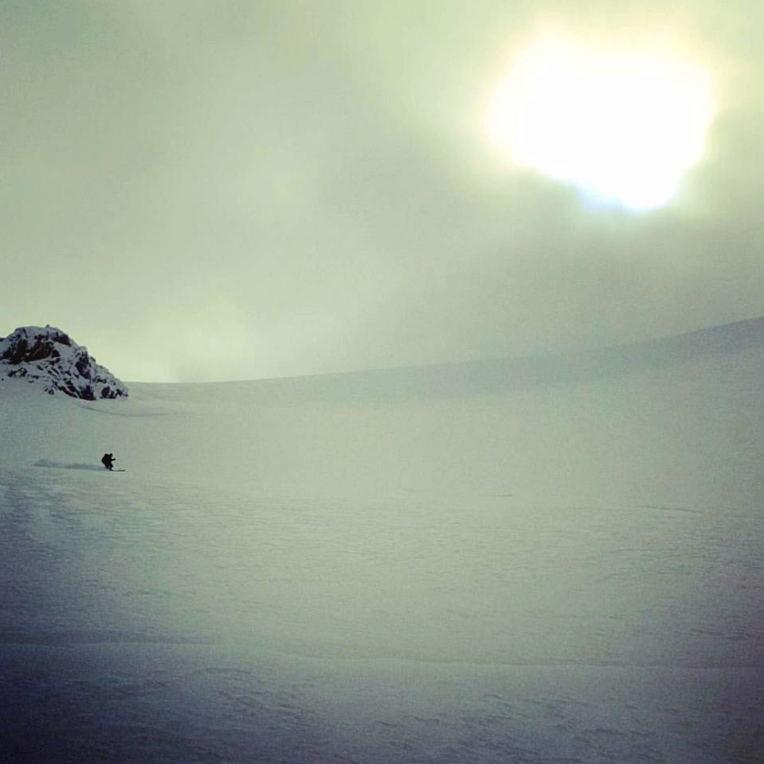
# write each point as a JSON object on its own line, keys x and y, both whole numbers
{"x": 49, "y": 357}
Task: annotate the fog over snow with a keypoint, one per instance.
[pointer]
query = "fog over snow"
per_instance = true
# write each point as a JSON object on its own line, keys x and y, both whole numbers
{"x": 209, "y": 191}
{"x": 550, "y": 559}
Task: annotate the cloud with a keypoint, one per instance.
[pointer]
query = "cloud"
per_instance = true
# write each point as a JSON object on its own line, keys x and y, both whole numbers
{"x": 316, "y": 177}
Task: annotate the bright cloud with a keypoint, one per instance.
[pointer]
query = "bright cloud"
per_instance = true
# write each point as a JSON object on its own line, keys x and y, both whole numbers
{"x": 621, "y": 125}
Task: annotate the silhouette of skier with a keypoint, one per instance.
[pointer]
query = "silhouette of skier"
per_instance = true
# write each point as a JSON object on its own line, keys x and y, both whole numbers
{"x": 108, "y": 461}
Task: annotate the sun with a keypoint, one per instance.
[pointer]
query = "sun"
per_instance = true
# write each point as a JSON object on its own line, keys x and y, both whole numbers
{"x": 622, "y": 126}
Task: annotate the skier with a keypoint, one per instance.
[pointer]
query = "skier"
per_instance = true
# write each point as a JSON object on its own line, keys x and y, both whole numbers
{"x": 108, "y": 461}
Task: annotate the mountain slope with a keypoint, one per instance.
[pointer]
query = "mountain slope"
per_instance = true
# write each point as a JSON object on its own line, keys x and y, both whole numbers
{"x": 563, "y": 567}
{"x": 678, "y": 418}
{"x": 495, "y": 376}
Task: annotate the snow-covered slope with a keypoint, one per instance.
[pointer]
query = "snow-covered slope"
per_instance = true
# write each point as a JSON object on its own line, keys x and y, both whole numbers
{"x": 653, "y": 423}
{"x": 504, "y": 375}
{"x": 47, "y": 357}
{"x": 493, "y": 564}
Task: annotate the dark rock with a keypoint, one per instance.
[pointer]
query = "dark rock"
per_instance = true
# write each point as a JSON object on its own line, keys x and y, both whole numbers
{"x": 51, "y": 357}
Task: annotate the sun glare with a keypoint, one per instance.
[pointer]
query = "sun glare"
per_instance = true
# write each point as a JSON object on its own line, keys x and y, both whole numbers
{"x": 622, "y": 126}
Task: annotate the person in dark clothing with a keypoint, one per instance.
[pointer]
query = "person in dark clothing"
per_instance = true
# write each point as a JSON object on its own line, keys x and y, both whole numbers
{"x": 108, "y": 461}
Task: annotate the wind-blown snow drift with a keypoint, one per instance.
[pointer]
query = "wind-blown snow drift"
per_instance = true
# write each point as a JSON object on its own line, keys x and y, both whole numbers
{"x": 51, "y": 358}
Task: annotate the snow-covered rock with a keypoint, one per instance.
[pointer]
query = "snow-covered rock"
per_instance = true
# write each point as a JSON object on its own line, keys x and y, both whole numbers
{"x": 48, "y": 356}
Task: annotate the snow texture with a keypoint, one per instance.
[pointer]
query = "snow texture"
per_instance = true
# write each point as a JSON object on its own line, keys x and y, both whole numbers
{"x": 550, "y": 561}
{"x": 48, "y": 357}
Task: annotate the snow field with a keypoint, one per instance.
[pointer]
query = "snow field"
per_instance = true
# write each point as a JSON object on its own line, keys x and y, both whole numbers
{"x": 322, "y": 571}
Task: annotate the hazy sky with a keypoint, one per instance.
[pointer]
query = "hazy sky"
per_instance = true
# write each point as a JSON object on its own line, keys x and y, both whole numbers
{"x": 212, "y": 189}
